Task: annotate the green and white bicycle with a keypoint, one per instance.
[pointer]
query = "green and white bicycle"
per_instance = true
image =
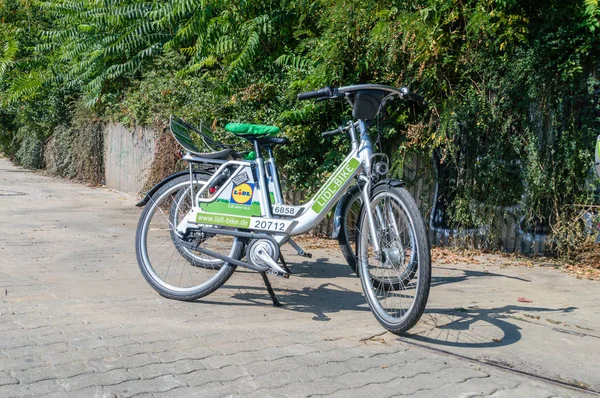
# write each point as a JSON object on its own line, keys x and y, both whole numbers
{"x": 228, "y": 210}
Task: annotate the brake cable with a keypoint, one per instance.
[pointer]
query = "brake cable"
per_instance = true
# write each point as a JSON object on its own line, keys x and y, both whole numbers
{"x": 381, "y": 107}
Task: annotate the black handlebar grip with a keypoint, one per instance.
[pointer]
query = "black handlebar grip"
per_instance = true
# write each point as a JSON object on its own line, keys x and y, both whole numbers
{"x": 332, "y": 132}
{"x": 417, "y": 98}
{"x": 307, "y": 95}
{"x": 409, "y": 95}
{"x": 324, "y": 92}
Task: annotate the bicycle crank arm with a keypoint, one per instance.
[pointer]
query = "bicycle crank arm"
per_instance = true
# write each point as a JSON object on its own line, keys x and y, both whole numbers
{"x": 270, "y": 262}
{"x": 239, "y": 234}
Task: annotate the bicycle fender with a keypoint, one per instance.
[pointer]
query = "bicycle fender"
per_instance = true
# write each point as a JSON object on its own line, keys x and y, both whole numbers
{"x": 392, "y": 182}
{"x": 155, "y": 188}
{"x": 339, "y": 211}
{"x": 339, "y": 208}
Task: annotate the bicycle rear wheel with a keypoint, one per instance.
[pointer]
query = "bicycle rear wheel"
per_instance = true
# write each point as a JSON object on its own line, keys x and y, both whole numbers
{"x": 159, "y": 255}
{"x": 180, "y": 206}
{"x": 396, "y": 280}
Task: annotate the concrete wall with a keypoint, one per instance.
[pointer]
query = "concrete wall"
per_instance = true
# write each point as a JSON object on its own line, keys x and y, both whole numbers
{"x": 128, "y": 156}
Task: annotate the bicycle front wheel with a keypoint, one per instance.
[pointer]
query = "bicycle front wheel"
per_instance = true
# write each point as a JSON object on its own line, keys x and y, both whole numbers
{"x": 160, "y": 257}
{"x": 396, "y": 279}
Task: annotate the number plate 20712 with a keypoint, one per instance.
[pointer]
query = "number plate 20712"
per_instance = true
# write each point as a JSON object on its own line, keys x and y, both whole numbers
{"x": 270, "y": 224}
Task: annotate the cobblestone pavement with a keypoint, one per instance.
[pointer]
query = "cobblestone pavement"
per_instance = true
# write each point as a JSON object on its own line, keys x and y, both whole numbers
{"x": 77, "y": 319}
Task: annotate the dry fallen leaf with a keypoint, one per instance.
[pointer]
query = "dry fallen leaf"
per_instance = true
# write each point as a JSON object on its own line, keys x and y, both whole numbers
{"x": 524, "y": 300}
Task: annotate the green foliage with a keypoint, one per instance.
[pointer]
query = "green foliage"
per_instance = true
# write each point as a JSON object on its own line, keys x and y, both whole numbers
{"x": 512, "y": 86}
{"x": 31, "y": 104}
{"x": 30, "y": 151}
{"x": 76, "y": 149}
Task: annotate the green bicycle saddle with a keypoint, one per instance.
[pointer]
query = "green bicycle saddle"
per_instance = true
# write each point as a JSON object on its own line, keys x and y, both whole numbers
{"x": 242, "y": 129}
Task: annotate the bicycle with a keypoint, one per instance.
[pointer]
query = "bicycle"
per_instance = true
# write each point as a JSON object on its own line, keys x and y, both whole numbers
{"x": 227, "y": 211}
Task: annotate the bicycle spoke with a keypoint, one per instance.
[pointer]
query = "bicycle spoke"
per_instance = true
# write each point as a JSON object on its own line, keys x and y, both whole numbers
{"x": 168, "y": 259}
{"x": 391, "y": 274}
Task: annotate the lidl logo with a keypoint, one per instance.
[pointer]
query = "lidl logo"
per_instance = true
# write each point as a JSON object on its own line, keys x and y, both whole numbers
{"x": 242, "y": 194}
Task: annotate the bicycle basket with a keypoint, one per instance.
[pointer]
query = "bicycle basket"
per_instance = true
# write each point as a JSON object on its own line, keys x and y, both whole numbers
{"x": 190, "y": 138}
{"x": 366, "y": 104}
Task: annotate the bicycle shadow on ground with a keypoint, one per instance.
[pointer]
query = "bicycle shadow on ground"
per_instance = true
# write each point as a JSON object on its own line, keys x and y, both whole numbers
{"x": 326, "y": 299}
{"x": 330, "y": 298}
{"x": 462, "y": 275}
{"x": 320, "y": 268}
{"x": 475, "y": 327}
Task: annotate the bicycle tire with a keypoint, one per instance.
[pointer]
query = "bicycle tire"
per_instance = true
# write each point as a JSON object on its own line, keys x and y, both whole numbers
{"x": 155, "y": 279}
{"x": 179, "y": 209}
{"x": 390, "y": 260}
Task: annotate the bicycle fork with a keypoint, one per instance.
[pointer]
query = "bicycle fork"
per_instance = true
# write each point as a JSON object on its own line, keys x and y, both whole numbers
{"x": 367, "y": 202}
{"x": 380, "y": 216}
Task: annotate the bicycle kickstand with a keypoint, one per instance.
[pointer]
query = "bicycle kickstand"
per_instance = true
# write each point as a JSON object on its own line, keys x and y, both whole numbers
{"x": 276, "y": 302}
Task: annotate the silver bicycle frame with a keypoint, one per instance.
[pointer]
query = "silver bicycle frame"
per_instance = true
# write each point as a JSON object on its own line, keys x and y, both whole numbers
{"x": 357, "y": 164}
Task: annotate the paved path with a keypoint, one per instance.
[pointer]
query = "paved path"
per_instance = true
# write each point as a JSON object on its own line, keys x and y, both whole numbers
{"x": 77, "y": 319}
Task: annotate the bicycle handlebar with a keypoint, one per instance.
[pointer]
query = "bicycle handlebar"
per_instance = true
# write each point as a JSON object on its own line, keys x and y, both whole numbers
{"x": 332, "y": 132}
{"x": 334, "y": 93}
{"x": 339, "y": 130}
{"x": 321, "y": 93}
{"x": 417, "y": 98}
{"x": 410, "y": 96}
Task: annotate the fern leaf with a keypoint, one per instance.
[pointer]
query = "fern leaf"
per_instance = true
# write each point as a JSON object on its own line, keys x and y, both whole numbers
{"x": 295, "y": 61}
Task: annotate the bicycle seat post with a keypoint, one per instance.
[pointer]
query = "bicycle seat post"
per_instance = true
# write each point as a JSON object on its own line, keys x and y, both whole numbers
{"x": 274, "y": 176}
{"x": 265, "y": 201}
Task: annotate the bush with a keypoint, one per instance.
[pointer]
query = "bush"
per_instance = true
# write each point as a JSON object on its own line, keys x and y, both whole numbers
{"x": 512, "y": 86}
{"x": 30, "y": 151}
{"x": 76, "y": 150}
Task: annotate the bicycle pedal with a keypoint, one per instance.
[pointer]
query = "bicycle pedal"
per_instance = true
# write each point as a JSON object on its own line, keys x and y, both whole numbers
{"x": 302, "y": 253}
{"x": 274, "y": 272}
{"x": 299, "y": 250}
